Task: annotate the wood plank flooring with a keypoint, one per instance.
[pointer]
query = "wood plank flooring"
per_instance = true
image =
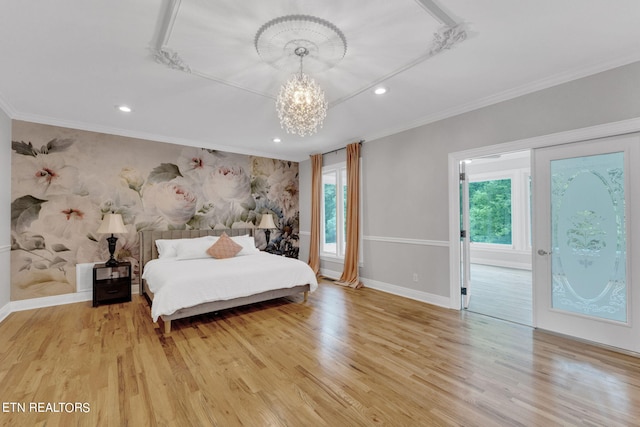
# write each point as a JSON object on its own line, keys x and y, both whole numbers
{"x": 504, "y": 293}
{"x": 345, "y": 358}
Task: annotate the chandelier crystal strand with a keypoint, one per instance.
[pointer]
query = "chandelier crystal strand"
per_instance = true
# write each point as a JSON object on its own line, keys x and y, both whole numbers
{"x": 301, "y": 104}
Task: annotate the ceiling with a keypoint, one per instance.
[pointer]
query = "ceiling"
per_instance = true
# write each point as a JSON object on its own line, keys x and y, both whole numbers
{"x": 71, "y": 62}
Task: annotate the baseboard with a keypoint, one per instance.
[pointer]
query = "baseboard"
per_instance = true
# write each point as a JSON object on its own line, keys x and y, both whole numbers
{"x": 5, "y": 250}
{"x": 30, "y": 304}
{"x": 413, "y": 294}
{"x": 329, "y": 274}
{"x": 5, "y": 311}
{"x": 502, "y": 263}
{"x": 395, "y": 290}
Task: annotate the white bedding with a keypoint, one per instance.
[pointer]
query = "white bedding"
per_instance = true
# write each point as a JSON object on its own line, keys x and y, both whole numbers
{"x": 178, "y": 284}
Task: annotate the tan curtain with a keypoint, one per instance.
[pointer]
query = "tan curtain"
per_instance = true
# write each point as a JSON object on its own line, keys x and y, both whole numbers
{"x": 316, "y": 198}
{"x": 350, "y": 274}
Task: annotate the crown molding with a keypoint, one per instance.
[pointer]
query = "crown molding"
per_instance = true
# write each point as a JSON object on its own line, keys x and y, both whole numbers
{"x": 604, "y": 130}
{"x": 45, "y": 120}
{"x": 445, "y": 114}
{"x": 526, "y": 89}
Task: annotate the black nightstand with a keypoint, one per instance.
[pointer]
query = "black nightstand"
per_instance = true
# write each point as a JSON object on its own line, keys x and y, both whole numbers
{"x": 286, "y": 250}
{"x": 111, "y": 284}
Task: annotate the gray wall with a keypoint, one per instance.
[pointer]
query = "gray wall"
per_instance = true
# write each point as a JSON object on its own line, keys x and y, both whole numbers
{"x": 405, "y": 175}
{"x": 5, "y": 207}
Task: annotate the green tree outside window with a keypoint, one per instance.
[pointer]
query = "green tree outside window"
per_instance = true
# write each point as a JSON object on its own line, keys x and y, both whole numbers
{"x": 330, "y": 213}
{"x": 490, "y": 211}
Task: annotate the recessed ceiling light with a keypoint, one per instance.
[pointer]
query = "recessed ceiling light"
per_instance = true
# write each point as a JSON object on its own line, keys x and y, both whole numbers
{"x": 380, "y": 90}
{"x": 277, "y": 140}
{"x": 124, "y": 108}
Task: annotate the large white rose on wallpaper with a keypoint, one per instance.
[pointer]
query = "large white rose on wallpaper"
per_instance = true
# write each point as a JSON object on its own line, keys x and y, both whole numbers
{"x": 67, "y": 217}
{"x": 196, "y": 163}
{"x": 283, "y": 189}
{"x": 263, "y": 166}
{"x": 228, "y": 184}
{"x": 44, "y": 175}
{"x": 174, "y": 201}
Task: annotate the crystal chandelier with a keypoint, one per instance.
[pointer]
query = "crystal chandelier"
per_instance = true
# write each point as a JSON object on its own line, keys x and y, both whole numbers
{"x": 301, "y": 103}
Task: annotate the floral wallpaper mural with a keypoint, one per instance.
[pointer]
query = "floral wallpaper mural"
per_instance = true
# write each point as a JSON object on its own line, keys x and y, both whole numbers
{"x": 64, "y": 181}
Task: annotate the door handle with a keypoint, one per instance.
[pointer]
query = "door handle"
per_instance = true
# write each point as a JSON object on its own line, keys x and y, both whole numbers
{"x": 543, "y": 252}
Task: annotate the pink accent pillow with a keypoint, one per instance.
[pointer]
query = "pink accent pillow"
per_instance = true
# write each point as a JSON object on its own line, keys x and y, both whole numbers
{"x": 224, "y": 247}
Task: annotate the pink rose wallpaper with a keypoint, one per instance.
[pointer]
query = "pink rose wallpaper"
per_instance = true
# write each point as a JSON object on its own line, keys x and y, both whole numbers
{"x": 64, "y": 180}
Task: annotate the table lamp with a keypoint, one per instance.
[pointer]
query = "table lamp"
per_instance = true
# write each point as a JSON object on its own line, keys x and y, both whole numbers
{"x": 267, "y": 224}
{"x": 112, "y": 224}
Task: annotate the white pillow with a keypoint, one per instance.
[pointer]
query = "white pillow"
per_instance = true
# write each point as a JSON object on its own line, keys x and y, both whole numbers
{"x": 194, "y": 248}
{"x": 248, "y": 244}
{"x": 166, "y": 248}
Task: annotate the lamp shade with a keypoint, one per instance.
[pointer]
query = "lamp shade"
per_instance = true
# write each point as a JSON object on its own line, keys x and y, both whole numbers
{"x": 112, "y": 224}
{"x": 266, "y": 221}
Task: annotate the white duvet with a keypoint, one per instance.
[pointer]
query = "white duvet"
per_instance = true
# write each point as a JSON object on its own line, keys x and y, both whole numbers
{"x": 178, "y": 284}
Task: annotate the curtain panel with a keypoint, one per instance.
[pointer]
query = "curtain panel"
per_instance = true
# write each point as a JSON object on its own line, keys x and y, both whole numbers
{"x": 351, "y": 275}
{"x": 316, "y": 198}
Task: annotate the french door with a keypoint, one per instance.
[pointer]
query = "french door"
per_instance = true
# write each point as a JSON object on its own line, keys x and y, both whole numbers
{"x": 465, "y": 237}
{"x": 586, "y": 224}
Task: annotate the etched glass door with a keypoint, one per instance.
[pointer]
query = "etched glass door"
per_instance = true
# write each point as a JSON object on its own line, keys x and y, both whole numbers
{"x": 582, "y": 269}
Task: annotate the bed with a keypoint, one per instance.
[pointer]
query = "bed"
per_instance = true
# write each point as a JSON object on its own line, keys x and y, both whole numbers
{"x": 179, "y": 288}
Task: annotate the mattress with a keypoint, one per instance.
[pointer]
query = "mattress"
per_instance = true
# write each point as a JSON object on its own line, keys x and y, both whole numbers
{"x": 178, "y": 284}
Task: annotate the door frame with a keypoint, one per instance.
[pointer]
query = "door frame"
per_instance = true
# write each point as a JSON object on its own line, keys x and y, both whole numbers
{"x": 465, "y": 241}
{"x": 454, "y": 159}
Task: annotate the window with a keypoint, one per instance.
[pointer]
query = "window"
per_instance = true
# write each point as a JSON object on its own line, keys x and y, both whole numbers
{"x": 490, "y": 211}
{"x": 334, "y": 210}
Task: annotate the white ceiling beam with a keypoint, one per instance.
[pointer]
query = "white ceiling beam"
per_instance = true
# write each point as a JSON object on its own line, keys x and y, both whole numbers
{"x": 168, "y": 13}
{"x": 437, "y": 12}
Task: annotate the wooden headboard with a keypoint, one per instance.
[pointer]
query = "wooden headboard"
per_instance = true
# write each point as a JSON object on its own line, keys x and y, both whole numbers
{"x": 149, "y": 251}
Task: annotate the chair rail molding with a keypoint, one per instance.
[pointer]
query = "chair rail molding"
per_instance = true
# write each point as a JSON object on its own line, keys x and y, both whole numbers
{"x": 401, "y": 240}
{"x": 406, "y": 241}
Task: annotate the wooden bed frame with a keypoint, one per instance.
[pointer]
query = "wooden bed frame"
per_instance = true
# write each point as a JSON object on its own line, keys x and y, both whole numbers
{"x": 149, "y": 251}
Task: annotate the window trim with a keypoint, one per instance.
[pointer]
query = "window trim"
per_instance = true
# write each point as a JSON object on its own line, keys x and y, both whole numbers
{"x": 340, "y": 235}
{"x": 520, "y": 207}
{"x": 337, "y": 169}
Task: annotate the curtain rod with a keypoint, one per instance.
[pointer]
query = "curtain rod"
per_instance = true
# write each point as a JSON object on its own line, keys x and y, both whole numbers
{"x": 343, "y": 148}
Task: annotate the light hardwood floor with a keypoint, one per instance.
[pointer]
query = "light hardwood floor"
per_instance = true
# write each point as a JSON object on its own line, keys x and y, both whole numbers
{"x": 504, "y": 293}
{"x": 345, "y": 358}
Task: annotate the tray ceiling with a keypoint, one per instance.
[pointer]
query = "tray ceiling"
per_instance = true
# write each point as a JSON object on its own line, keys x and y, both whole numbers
{"x": 70, "y": 62}
{"x": 213, "y": 46}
